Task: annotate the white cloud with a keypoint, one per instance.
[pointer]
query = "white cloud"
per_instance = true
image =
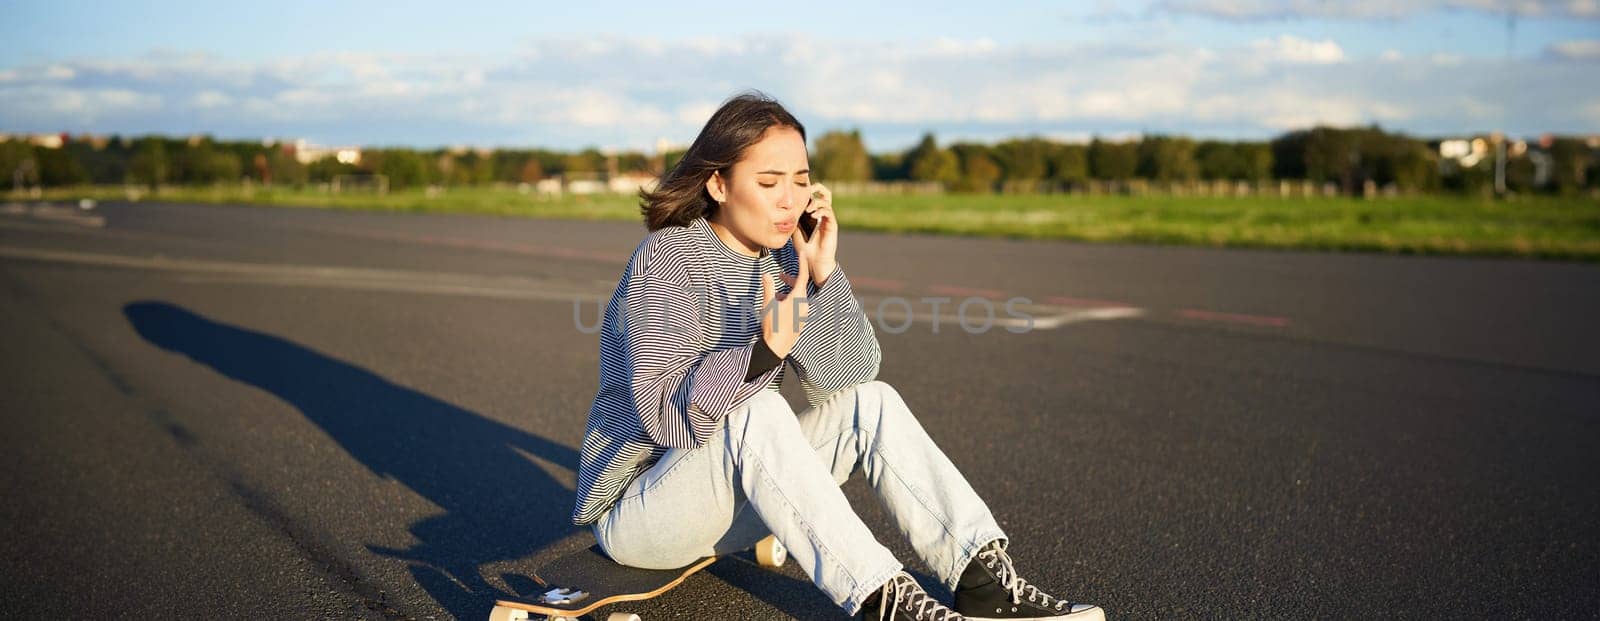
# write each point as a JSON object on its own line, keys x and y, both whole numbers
{"x": 1245, "y": 10}
{"x": 1288, "y": 48}
{"x": 210, "y": 99}
{"x": 187, "y": 68}
{"x": 615, "y": 91}
{"x": 962, "y": 47}
{"x": 34, "y": 104}
{"x": 39, "y": 74}
{"x": 1290, "y": 109}
{"x": 1281, "y": 9}
{"x": 1475, "y": 108}
{"x": 696, "y": 112}
{"x": 1586, "y": 49}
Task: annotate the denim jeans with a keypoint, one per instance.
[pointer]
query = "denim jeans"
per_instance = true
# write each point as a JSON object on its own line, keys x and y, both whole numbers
{"x": 769, "y": 471}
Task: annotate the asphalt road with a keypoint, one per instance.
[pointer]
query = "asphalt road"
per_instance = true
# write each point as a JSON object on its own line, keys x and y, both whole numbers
{"x": 223, "y": 411}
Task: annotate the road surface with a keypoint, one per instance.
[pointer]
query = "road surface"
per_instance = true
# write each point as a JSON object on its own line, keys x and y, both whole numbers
{"x": 227, "y": 410}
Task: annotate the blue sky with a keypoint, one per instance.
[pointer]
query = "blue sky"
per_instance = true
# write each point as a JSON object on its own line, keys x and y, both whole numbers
{"x": 566, "y": 76}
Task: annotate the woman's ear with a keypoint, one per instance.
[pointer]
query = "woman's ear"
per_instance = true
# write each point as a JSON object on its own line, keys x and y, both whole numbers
{"x": 716, "y": 187}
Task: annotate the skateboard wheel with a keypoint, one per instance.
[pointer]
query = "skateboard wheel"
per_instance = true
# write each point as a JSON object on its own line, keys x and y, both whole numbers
{"x": 622, "y": 616}
{"x": 770, "y": 552}
{"x": 501, "y": 613}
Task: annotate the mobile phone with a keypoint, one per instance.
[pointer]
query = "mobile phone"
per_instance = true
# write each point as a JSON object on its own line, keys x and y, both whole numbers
{"x": 808, "y": 223}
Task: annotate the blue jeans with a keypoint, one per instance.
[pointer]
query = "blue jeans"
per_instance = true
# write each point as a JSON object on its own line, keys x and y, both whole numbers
{"x": 769, "y": 471}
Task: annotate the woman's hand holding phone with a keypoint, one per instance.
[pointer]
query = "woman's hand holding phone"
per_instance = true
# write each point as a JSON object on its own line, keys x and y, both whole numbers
{"x": 822, "y": 243}
{"x": 781, "y": 314}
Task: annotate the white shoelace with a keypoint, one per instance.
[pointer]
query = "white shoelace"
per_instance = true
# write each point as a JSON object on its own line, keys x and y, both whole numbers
{"x": 904, "y": 586}
{"x": 996, "y": 559}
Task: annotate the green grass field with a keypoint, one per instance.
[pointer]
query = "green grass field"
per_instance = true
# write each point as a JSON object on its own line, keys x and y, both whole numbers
{"x": 1534, "y": 227}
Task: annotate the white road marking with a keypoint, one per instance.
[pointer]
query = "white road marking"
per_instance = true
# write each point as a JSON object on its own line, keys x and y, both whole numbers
{"x": 1043, "y": 316}
{"x": 54, "y": 213}
{"x": 201, "y": 271}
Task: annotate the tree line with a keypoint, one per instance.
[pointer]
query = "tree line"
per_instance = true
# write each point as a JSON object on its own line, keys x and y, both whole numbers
{"x": 159, "y": 160}
{"x": 1348, "y": 158}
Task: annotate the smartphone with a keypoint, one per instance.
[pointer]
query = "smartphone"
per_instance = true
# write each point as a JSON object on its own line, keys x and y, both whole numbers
{"x": 808, "y": 224}
{"x": 808, "y": 221}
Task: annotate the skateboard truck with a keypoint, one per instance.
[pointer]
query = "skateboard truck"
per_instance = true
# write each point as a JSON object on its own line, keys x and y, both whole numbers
{"x": 562, "y": 597}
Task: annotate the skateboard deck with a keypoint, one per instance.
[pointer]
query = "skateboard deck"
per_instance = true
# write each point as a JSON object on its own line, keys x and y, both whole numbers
{"x": 580, "y": 582}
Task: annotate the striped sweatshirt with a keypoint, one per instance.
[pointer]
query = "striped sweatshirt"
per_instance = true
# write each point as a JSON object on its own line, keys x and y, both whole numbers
{"x": 676, "y": 344}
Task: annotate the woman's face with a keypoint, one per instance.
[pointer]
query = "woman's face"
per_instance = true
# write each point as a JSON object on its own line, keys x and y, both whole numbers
{"x": 765, "y": 192}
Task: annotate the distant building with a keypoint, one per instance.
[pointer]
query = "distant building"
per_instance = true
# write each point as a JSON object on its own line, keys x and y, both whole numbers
{"x": 1533, "y": 163}
{"x": 631, "y": 182}
{"x": 549, "y": 186}
{"x": 57, "y": 141}
{"x": 585, "y": 186}
{"x": 48, "y": 141}
{"x": 306, "y": 153}
{"x": 97, "y": 142}
{"x": 1466, "y": 152}
{"x": 461, "y": 149}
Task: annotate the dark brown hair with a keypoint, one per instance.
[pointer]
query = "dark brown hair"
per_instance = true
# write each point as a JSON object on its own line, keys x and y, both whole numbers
{"x": 681, "y": 195}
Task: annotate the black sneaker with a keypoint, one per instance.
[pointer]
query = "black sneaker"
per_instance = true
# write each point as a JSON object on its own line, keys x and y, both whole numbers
{"x": 902, "y": 599}
{"x": 990, "y": 590}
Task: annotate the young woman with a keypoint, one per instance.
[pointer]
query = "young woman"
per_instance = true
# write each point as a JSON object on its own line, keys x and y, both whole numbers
{"x": 691, "y": 451}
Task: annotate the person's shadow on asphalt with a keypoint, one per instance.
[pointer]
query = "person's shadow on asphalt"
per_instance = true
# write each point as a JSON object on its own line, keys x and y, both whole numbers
{"x": 498, "y": 506}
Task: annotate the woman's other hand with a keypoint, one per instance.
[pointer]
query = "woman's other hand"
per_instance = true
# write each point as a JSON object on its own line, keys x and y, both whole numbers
{"x": 782, "y": 315}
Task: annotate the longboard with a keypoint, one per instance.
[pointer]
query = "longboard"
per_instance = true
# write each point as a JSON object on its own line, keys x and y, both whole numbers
{"x": 583, "y": 581}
